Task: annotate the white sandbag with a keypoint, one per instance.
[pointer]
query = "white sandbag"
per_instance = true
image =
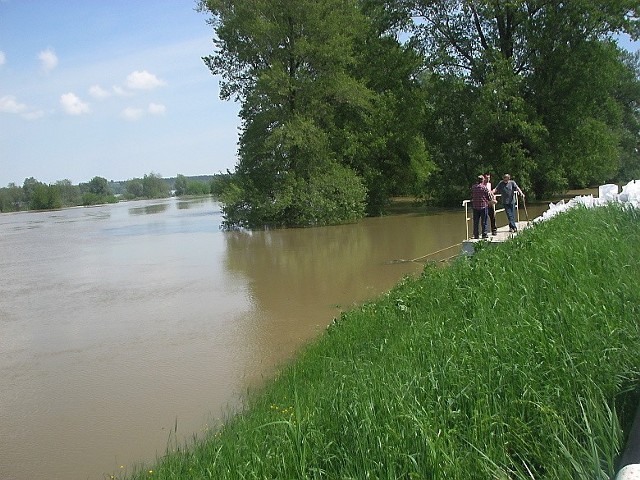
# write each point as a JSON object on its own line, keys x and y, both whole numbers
{"x": 630, "y": 195}
{"x": 630, "y": 192}
{"x": 608, "y": 192}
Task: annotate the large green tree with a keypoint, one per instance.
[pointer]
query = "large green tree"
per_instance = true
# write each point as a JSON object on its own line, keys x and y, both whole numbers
{"x": 385, "y": 143}
{"x": 96, "y": 191}
{"x": 541, "y": 79}
{"x": 629, "y": 97}
{"x": 288, "y": 64}
{"x": 153, "y": 186}
{"x": 327, "y": 108}
{"x": 69, "y": 194}
{"x": 180, "y": 185}
{"x": 11, "y": 198}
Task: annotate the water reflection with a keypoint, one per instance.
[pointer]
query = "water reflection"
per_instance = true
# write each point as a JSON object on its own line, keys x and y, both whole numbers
{"x": 149, "y": 209}
{"x": 300, "y": 279}
{"x": 196, "y": 201}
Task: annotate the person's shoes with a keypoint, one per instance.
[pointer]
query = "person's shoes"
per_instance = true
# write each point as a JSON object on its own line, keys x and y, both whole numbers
{"x": 485, "y": 236}
{"x": 494, "y": 233}
{"x": 512, "y": 230}
{"x": 476, "y": 238}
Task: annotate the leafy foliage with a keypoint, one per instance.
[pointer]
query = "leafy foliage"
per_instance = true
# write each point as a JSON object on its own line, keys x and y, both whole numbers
{"x": 153, "y": 186}
{"x": 329, "y": 196}
{"x": 322, "y": 89}
{"x": 96, "y": 191}
{"x": 536, "y": 89}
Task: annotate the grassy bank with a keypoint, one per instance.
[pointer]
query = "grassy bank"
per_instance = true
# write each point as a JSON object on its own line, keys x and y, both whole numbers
{"x": 521, "y": 362}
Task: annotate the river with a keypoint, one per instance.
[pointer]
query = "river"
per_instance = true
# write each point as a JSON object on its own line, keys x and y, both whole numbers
{"x": 119, "y": 323}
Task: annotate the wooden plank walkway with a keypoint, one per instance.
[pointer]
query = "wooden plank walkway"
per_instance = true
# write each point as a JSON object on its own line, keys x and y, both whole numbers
{"x": 468, "y": 246}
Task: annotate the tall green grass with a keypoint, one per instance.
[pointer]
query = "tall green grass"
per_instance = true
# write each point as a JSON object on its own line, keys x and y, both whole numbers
{"x": 521, "y": 362}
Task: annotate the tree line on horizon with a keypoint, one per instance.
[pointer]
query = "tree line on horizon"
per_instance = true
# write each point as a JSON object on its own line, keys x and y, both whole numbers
{"x": 345, "y": 104}
{"x": 36, "y": 195}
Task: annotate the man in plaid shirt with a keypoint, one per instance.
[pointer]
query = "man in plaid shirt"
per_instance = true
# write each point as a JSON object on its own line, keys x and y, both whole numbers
{"x": 480, "y": 204}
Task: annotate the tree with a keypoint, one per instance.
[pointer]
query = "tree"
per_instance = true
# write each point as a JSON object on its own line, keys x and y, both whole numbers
{"x": 196, "y": 187}
{"x": 578, "y": 98}
{"x": 446, "y": 125}
{"x": 628, "y": 95}
{"x": 219, "y": 183}
{"x": 11, "y": 198}
{"x": 153, "y": 186}
{"x": 28, "y": 188}
{"x": 384, "y": 143}
{"x": 45, "y": 197}
{"x": 99, "y": 186}
{"x": 134, "y": 188}
{"x": 180, "y": 185}
{"x": 289, "y": 63}
{"x": 543, "y": 78}
{"x": 69, "y": 193}
{"x": 96, "y": 191}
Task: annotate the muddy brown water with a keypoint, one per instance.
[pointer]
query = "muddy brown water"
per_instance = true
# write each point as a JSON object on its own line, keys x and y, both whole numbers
{"x": 119, "y": 323}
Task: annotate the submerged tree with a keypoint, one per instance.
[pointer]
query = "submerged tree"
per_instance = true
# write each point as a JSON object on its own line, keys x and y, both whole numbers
{"x": 153, "y": 186}
{"x": 96, "y": 191}
{"x": 323, "y": 119}
{"x": 288, "y": 64}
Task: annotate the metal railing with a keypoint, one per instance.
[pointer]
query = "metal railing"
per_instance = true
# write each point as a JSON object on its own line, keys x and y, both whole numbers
{"x": 466, "y": 203}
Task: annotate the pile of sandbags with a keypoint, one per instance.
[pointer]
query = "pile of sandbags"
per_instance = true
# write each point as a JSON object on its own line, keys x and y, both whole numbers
{"x": 606, "y": 193}
{"x": 631, "y": 193}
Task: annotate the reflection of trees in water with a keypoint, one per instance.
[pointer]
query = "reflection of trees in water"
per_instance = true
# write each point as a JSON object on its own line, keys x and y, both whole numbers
{"x": 300, "y": 264}
{"x": 329, "y": 265}
{"x": 149, "y": 209}
{"x": 297, "y": 277}
{"x": 192, "y": 202}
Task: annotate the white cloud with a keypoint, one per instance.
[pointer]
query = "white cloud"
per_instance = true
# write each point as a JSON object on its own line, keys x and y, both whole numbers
{"x": 143, "y": 80}
{"x": 73, "y": 105}
{"x": 157, "y": 109}
{"x": 132, "y": 114}
{"x": 3, "y": 58}
{"x": 48, "y": 60}
{"x": 33, "y": 115}
{"x": 97, "y": 91}
{"x": 119, "y": 91}
{"x": 9, "y": 104}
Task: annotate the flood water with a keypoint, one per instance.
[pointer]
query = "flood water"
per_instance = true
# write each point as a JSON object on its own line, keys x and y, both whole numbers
{"x": 119, "y": 323}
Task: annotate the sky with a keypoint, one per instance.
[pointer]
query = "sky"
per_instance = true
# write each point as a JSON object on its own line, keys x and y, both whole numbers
{"x": 115, "y": 89}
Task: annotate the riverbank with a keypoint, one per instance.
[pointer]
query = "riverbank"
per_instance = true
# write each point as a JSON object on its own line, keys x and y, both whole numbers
{"x": 520, "y": 362}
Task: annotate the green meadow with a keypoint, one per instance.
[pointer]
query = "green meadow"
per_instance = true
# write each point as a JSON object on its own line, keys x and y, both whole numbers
{"x": 520, "y": 362}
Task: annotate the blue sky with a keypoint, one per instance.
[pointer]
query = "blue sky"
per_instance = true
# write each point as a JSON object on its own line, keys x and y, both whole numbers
{"x": 110, "y": 88}
{"x": 113, "y": 88}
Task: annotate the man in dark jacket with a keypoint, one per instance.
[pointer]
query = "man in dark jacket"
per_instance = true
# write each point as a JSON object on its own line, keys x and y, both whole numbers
{"x": 480, "y": 204}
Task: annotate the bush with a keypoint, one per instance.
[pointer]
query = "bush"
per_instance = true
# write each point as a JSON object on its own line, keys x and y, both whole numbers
{"x": 331, "y": 196}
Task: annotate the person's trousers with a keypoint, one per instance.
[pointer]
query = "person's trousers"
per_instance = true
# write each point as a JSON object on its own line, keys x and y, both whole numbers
{"x": 480, "y": 214}
{"x": 492, "y": 218}
{"x": 510, "y": 210}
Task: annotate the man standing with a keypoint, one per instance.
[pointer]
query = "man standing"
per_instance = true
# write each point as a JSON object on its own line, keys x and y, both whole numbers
{"x": 492, "y": 205}
{"x": 507, "y": 188}
{"x": 480, "y": 204}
